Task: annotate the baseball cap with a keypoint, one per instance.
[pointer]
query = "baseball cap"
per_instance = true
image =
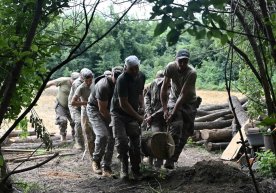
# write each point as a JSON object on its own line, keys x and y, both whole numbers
{"x": 117, "y": 70}
{"x": 132, "y": 61}
{"x": 86, "y": 73}
{"x": 183, "y": 53}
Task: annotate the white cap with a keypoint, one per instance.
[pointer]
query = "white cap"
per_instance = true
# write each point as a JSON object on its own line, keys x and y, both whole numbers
{"x": 132, "y": 61}
{"x": 86, "y": 73}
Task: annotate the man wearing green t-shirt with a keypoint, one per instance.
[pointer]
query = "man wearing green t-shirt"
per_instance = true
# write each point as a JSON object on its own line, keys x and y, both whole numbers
{"x": 62, "y": 111}
{"x": 180, "y": 108}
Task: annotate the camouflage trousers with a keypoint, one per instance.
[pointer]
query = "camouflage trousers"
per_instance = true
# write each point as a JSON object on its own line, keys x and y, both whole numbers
{"x": 89, "y": 135}
{"x": 76, "y": 116}
{"x": 182, "y": 127}
{"x": 104, "y": 142}
{"x": 62, "y": 118}
{"x": 127, "y": 140}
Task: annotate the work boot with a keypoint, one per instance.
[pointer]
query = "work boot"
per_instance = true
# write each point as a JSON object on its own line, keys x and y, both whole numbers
{"x": 96, "y": 166}
{"x": 169, "y": 164}
{"x": 107, "y": 172}
{"x": 158, "y": 163}
{"x": 124, "y": 170}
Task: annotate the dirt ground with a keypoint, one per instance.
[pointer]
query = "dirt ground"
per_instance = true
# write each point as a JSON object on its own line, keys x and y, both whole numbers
{"x": 197, "y": 170}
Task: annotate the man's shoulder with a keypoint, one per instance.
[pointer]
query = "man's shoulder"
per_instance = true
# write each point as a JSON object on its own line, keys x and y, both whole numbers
{"x": 103, "y": 83}
{"x": 192, "y": 69}
{"x": 62, "y": 80}
{"x": 171, "y": 65}
{"x": 77, "y": 82}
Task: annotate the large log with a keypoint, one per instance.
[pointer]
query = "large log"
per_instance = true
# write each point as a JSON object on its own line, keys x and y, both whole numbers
{"x": 196, "y": 136}
{"x": 212, "y": 125}
{"x": 216, "y": 135}
{"x": 213, "y": 116}
{"x": 210, "y": 146}
{"x": 217, "y": 107}
{"x": 233, "y": 148}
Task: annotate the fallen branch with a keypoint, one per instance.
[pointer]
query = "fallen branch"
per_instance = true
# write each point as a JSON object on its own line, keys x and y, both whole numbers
{"x": 38, "y": 157}
{"x": 217, "y": 107}
{"x": 30, "y": 168}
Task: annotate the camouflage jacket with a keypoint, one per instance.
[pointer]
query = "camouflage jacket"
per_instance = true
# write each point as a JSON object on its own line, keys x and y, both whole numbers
{"x": 152, "y": 96}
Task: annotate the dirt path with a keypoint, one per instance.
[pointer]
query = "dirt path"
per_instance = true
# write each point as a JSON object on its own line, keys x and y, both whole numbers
{"x": 196, "y": 171}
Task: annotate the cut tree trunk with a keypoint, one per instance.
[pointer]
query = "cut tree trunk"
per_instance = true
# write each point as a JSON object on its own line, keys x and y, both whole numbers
{"x": 233, "y": 148}
{"x": 216, "y": 135}
{"x": 196, "y": 136}
{"x": 213, "y": 116}
{"x": 212, "y": 125}
{"x": 210, "y": 146}
{"x": 241, "y": 114}
{"x": 217, "y": 107}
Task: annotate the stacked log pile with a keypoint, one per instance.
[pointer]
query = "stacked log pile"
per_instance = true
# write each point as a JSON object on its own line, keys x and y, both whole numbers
{"x": 214, "y": 124}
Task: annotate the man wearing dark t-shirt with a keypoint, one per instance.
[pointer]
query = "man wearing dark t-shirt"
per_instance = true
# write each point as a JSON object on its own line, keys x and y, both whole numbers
{"x": 127, "y": 99}
{"x": 98, "y": 110}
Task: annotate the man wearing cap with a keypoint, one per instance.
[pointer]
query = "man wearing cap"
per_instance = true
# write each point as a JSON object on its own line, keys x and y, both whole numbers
{"x": 154, "y": 111}
{"x": 98, "y": 110}
{"x": 180, "y": 108}
{"x": 75, "y": 111}
{"x": 80, "y": 99}
{"x": 62, "y": 111}
{"x": 125, "y": 118}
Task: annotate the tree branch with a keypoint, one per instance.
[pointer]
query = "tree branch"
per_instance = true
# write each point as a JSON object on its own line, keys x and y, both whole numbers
{"x": 70, "y": 57}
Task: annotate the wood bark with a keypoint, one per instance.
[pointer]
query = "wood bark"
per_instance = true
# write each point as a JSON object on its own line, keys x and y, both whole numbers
{"x": 210, "y": 146}
{"x": 218, "y": 107}
{"x": 216, "y": 135}
{"x": 212, "y": 125}
{"x": 241, "y": 114}
{"x": 213, "y": 116}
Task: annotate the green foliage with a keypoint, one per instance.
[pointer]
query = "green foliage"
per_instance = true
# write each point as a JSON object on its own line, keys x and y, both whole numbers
{"x": 16, "y": 18}
{"x": 267, "y": 163}
{"x": 27, "y": 187}
{"x": 23, "y": 126}
{"x": 1, "y": 161}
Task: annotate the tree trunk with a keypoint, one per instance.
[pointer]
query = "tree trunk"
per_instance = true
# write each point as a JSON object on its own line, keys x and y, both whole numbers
{"x": 5, "y": 187}
{"x": 218, "y": 107}
{"x": 213, "y": 116}
{"x": 241, "y": 114}
{"x": 216, "y": 135}
{"x": 210, "y": 146}
{"x": 14, "y": 74}
{"x": 212, "y": 125}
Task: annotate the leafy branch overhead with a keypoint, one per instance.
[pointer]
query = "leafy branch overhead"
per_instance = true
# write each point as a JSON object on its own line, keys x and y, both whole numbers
{"x": 248, "y": 27}
{"x": 198, "y": 18}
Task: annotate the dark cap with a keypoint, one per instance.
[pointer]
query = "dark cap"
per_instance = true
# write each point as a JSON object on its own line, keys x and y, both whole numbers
{"x": 183, "y": 53}
{"x": 117, "y": 71}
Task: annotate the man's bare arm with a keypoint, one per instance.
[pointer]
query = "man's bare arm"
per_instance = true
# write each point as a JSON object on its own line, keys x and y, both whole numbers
{"x": 124, "y": 104}
{"x": 185, "y": 91}
{"x": 103, "y": 108}
{"x": 77, "y": 102}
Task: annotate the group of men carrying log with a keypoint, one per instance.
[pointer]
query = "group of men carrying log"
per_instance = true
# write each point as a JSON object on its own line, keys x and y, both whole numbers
{"x": 109, "y": 110}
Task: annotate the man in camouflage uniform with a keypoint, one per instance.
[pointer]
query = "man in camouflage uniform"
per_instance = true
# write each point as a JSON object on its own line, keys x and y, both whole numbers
{"x": 80, "y": 99}
{"x": 62, "y": 111}
{"x": 98, "y": 110}
{"x": 75, "y": 111}
{"x": 180, "y": 108}
{"x": 154, "y": 112}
